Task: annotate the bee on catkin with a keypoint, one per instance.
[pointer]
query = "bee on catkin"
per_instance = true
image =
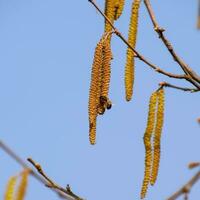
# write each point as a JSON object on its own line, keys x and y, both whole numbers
{"x": 118, "y": 8}
{"x": 22, "y": 185}
{"x": 129, "y": 68}
{"x": 10, "y": 188}
{"x": 100, "y": 82}
{"x": 157, "y": 135}
{"x": 147, "y": 142}
{"x": 95, "y": 90}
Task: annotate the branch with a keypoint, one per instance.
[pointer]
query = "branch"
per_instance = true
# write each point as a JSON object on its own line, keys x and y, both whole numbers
{"x": 198, "y": 17}
{"x": 185, "y": 189}
{"x": 165, "y": 84}
{"x": 51, "y": 183}
{"x": 160, "y": 31}
{"x": 63, "y": 193}
{"x": 137, "y": 54}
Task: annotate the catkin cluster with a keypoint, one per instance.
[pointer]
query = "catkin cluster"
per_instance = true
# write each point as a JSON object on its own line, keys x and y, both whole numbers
{"x": 153, "y": 130}
{"x": 100, "y": 82}
{"x": 132, "y": 36}
{"x": 14, "y": 191}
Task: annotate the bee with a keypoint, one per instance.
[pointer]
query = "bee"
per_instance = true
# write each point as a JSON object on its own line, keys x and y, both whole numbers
{"x": 104, "y": 103}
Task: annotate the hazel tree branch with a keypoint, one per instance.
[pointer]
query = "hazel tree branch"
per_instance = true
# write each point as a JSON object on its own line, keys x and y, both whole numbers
{"x": 137, "y": 54}
{"x": 185, "y": 189}
{"x": 194, "y": 78}
{"x": 51, "y": 183}
{"x": 61, "y": 192}
{"x": 185, "y": 89}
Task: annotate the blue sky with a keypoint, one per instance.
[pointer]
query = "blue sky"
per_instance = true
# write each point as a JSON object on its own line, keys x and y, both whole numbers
{"x": 46, "y": 52}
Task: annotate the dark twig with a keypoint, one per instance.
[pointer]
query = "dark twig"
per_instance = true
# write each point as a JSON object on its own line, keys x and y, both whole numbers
{"x": 165, "y": 84}
{"x": 61, "y": 193}
{"x": 185, "y": 188}
{"x": 51, "y": 183}
{"x": 198, "y": 16}
{"x": 193, "y": 165}
{"x": 193, "y": 77}
{"x": 137, "y": 54}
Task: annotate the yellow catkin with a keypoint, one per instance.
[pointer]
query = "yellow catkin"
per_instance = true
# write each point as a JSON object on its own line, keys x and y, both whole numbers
{"x": 118, "y": 8}
{"x": 21, "y": 191}
{"x": 106, "y": 69}
{"x": 95, "y": 89}
{"x": 10, "y": 188}
{"x": 110, "y": 13}
{"x": 147, "y": 142}
{"x": 129, "y": 68}
{"x": 157, "y": 135}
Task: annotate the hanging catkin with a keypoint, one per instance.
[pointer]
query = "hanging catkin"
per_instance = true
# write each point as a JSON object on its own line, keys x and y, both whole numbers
{"x": 95, "y": 89}
{"x": 22, "y": 185}
{"x": 118, "y": 8}
{"x": 105, "y": 73}
{"x": 109, "y": 12}
{"x": 100, "y": 82}
{"x": 147, "y": 142}
{"x": 106, "y": 69}
{"x": 10, "y": 188}
{"x": 129, "y": 68}
{"x": 157, "y": 135}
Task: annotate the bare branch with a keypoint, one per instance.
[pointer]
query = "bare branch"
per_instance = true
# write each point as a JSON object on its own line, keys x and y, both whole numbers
{"x": 198, "y": 17}
{"x": 186, "y": 188}
{"x": 137, "y": 54}
{"x": 63, "y": 193}
{"x": 51, "y": 183}
{"x": 165, "y": 84}
{"x": 193, "y": 165}
{"x": 160, "y": 31}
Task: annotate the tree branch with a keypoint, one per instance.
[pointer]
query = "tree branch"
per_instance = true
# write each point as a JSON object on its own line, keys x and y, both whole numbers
{"x": 51, "y": 183}
{"x": 63, "y": 193}
{"x": 138, "y": 55}
{"x": 160, "y": 31}
{"x": 185, "y": 189}
{"x": 165, "y": 84}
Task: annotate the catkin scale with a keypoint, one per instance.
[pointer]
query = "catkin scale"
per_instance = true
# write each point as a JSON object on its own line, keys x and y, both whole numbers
{"x": 147, "y": 142}
{"x": 129, "y": 68}
{"x": 22, "y": 185}
{"x": 95, "y": 89}
{"x": 157, "y": 135}
{"x": 10, "y": 188}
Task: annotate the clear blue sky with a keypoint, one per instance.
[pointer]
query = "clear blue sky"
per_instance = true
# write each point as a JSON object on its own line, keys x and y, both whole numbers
{"x": 46, "y": 52}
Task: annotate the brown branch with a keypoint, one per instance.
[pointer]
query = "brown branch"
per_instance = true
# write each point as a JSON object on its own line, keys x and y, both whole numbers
{"x": 193, "y": 165}
{"x": 63, "y": 193}
{"x": 165, "y": 84}
{"x": 51, "y": 183}
{"x": 185, "y": 188}
{"x": 137, "y": 54}
{"x": 198, "y": 17}
{"x": 194, "y": 78}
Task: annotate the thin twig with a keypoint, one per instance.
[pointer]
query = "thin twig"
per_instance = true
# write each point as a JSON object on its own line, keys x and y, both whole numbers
{"x": 137, "y": 54}
{"x": 198, "y": 16}
{"x": 61, "y": 193}
{"x": 51, "y": 183}
{"x": 160, "y": 31}
{"x": 165, "y": 84}
{"x": 193, "y": 165}
{"x": 185, "y": 188}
